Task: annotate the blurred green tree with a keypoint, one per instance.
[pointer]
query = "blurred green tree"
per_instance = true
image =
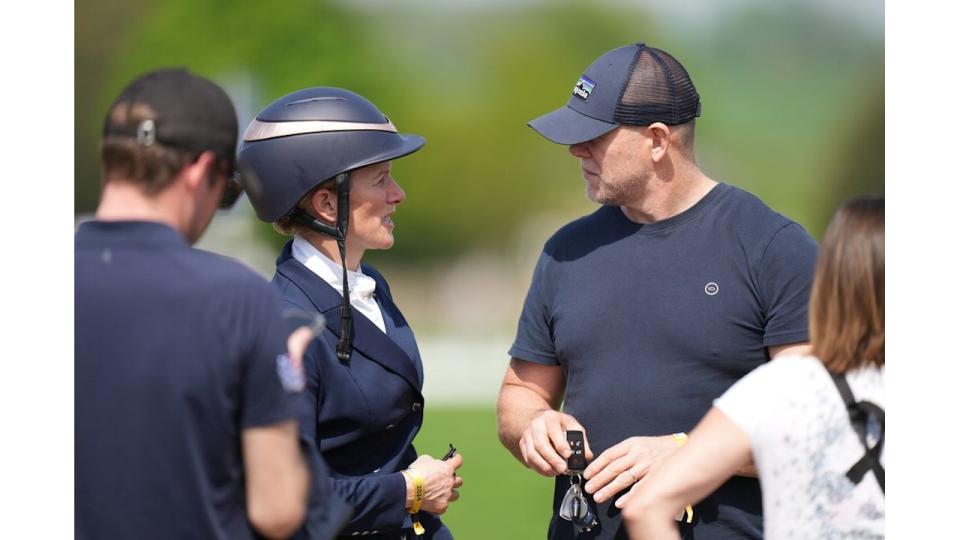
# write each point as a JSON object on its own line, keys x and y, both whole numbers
{"x": 263, "y": 49}
{"x": 790, "y": 96}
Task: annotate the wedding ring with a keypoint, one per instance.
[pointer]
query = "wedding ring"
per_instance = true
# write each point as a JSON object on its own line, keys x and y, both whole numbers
{"x": 635, "y": 479}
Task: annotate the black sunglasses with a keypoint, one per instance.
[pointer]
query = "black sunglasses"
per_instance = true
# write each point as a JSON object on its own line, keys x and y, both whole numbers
{"x": 231, "y": 192}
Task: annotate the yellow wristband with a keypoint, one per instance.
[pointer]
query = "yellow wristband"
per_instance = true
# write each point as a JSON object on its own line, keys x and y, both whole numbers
{"x": 418, "y": 488}
{"x": 418, "y": 492}
{"x": 681, "y": 439}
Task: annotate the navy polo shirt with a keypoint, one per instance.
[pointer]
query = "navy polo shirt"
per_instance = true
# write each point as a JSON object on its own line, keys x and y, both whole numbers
{"x": 175, "y": 354}
{"x": 651, "y": 322}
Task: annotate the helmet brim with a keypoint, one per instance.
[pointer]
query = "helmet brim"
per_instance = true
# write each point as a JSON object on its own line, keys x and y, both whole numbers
{"x": 394, "y": 147}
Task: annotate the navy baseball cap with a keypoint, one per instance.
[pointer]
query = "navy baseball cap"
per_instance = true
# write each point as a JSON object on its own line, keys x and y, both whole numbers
{"x": 176, "y": 108}
{"x": 632, "y": 85}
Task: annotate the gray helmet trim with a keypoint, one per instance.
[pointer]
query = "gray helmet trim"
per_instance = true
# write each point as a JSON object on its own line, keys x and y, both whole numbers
{"x": 259, "y": 130}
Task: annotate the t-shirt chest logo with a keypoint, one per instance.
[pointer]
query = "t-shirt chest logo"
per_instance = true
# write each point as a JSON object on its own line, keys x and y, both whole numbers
{"x": 711, "y": 288}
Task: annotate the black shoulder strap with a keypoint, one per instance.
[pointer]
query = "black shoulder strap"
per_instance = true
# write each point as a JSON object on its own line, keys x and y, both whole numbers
{"x": 859, "y": 413}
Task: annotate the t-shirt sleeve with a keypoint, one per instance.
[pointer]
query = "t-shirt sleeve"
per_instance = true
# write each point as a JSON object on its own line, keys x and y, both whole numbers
{"x": 265, "y": 400}
{"x": 785, "y": 275}
{"x": 534, "y": 341}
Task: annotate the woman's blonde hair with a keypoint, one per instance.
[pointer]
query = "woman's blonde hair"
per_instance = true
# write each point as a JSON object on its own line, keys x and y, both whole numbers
{"x": 287, "y": 226}
{"x": 846, "y": 304}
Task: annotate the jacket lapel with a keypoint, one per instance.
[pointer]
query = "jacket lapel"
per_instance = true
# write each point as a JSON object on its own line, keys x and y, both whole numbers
{"x": 397, "y": 327}
{"x": 367, "y": 338}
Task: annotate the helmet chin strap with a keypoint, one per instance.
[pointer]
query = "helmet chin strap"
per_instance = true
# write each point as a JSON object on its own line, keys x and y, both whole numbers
{"x": 339, "y": 233}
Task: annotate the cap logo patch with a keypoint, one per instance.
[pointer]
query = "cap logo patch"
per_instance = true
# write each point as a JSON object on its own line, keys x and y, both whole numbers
{"x": 583, "y": 88}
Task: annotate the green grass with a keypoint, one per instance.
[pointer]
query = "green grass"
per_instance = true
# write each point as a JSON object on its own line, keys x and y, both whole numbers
{"x": 500, "y": 497}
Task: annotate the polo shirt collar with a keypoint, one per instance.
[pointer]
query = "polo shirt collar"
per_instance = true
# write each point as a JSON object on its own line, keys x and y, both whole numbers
{"x": 129, "y": 232}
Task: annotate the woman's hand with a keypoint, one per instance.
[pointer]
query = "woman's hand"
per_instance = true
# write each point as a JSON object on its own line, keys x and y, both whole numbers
{"x": 440, "y": 482}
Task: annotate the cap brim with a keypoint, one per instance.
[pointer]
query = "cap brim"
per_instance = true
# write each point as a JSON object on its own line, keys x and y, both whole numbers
{"x": 567, "y": 126}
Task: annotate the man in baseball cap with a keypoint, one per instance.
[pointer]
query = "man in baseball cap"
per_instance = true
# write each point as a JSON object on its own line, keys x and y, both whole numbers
{"x": 638, "y": 86}
{"x": 186, "y": 373}
{"x": 643, "y": 312}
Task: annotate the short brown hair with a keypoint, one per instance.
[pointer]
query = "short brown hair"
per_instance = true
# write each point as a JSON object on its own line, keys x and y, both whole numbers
{"x": 846, "y": 303}
{"x": 152, "y": 168}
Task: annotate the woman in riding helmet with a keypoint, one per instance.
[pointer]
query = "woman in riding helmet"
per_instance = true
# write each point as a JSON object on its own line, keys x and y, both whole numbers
{"x": 316, "y": 163}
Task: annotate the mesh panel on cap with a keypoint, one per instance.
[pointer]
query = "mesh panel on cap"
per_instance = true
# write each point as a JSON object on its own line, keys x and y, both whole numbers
{"x": 658, "y": 90}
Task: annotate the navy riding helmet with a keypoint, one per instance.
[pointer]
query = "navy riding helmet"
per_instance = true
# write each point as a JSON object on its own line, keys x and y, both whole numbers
{"x": 304, "y": 139}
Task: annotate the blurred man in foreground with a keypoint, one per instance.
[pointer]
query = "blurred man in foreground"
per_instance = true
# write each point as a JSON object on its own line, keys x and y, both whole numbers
{"x": 642, "y": 313}
{"x": 184, "y": 419}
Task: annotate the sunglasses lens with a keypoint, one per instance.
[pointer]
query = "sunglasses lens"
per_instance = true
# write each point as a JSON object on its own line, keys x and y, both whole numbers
{"x": 231, "y": 192}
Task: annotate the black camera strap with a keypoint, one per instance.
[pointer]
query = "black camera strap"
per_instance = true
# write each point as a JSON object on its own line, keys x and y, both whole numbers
{"x": 860, "y": 412}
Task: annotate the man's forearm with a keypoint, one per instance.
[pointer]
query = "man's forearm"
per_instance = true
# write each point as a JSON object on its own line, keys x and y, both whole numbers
{"x": 277, "y": 478}
{"x": 528, "y": 390}
{"x": 516, "y": 408}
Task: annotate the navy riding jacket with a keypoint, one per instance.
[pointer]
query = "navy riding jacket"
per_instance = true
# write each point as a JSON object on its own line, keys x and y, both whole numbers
{"x": 364, "y": 413}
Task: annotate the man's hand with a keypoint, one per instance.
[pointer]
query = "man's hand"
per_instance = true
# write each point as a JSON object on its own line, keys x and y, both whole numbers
{"x": 544, "y": 446}
{"x": 440, "y": 482}
{"x": 625, "y": 463}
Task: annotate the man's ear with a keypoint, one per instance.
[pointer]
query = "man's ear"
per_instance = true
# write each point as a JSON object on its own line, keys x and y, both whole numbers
{"x": 659, "y": 134}
{"x": 199, "y": 171}
{"x": 323, "y": 203}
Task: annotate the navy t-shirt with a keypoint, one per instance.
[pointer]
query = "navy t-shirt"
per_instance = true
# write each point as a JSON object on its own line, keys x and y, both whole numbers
{"x": 175, "y": 354}
{"x": 651, "y": 322}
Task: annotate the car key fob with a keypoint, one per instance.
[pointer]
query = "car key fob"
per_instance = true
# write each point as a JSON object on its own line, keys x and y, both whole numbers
{"x": 578, "y": 459}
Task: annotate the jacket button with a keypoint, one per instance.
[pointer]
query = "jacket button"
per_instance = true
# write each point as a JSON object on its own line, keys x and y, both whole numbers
{"x": 391, "y": 426}
{"x": 416, "y": 406}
